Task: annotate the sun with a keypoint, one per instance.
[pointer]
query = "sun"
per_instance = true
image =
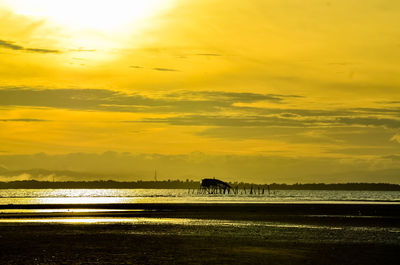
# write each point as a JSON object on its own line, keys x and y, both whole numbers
{"x": 100, "y": 15}
{"x": 101, "y": 25}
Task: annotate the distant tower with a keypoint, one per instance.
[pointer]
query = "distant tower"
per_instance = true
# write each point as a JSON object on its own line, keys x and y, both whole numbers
{"x": 155, "y": 175}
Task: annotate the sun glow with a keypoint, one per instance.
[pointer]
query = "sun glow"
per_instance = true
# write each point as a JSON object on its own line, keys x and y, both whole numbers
{"x": 92, "y": 24}
{"x": 101, "y": 15}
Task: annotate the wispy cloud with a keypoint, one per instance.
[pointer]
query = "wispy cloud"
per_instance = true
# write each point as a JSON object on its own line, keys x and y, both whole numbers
{"x": 107, "y": 100}
{"x": 275, "y": 120}
{"x": 396, "y": 138}
{"x": 11, "y": 45}
{"x": 232, "y": 121}
{"x": 82, "y": 50}
{"x": 370, "y": 121}
{"x": 135, "y": 67}
{"x": 222, "y": 115}
{"x": 23, "y": 120}
{"x": 165, "y": 69}
{"x": 209, "y": 54}
{"x": 395, "y": 157}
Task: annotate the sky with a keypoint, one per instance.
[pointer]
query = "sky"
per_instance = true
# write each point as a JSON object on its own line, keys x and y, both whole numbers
{"x": 259, "y": 90}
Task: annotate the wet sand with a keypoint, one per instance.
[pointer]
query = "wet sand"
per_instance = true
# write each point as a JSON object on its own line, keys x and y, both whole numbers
{"x": 201, "y": 234}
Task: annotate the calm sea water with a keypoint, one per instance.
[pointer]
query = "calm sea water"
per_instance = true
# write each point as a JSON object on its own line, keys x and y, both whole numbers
{"x": 49, "y": 196}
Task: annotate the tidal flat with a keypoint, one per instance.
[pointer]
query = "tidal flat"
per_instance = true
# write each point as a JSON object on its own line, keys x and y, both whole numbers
{"x": 201, "y": 234}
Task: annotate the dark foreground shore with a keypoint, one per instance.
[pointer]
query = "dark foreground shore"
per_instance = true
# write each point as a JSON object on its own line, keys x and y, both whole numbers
{"x": 201, "y": 234}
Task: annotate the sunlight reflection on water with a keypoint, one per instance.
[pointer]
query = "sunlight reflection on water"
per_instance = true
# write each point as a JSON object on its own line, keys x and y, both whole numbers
{"x": 188, "y": 222}
{"x": 96, "y": 196}
{"x": 15, "y": 211}
{"x": 157, "y": 221}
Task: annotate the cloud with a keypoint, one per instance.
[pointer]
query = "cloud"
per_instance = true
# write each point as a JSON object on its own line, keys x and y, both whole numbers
{"x": 10, "y": 45}
{"x": 83, "y": 99}
{"x": 3, "y": 169}
{"x": 207, "y": 108}
{"x": 395, "y": 102}
{"x": 49, "y": 175}
{"x": 395, "y": 138}
{"x": 225, "y": 99}
{"x": 301, "y": 112}
{"x": 338, "y": 140}
{"x": 392, "y": 157}
{"x": 241, "y": 97}
{"x": 362, "y": 150}
{"x": 275, "y": 120}
{"x": 16, "y": 47}
{"x": 22, "y": 120}
{"x": 107, "y": 100}
{"x": 395, "y": 111}
{"x": 276, "y": 133}
{"x": 41, "y": 50}
{"x": 208, "y": 54}
{"x": 81, "y": 50}
{"x": 209, "y": 120}
{"x": 370, "y": 121}
{"x": 165, "y": 69}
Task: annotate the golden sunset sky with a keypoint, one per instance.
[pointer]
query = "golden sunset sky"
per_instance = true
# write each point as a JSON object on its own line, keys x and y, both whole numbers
{"x": 257, "y": 90}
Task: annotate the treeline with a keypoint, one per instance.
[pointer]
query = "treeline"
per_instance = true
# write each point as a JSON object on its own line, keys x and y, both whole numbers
{"x": 338, "y": 186}
{"x": 100, "y": 184}
{"x": 189, "y": 184}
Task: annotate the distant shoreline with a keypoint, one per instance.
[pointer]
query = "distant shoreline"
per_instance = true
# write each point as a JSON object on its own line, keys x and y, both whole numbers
{"x": 188, "y": 184}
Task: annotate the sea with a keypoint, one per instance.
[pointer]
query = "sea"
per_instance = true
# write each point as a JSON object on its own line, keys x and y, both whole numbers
{"x": 101, "y": 196}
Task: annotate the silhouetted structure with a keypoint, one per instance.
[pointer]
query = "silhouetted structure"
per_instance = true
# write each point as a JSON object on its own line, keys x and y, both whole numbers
{"x": 214, "y": 186}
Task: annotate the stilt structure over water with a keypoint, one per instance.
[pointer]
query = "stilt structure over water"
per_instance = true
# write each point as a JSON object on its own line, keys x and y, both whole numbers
{"x": 214, "y": 186}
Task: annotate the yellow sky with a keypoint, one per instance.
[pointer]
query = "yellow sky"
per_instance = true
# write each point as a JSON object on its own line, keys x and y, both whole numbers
{"x": 292, "y": 79}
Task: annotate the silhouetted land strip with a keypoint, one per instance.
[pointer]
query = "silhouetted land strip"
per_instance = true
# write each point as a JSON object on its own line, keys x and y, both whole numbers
{"x": 189, "y": 184}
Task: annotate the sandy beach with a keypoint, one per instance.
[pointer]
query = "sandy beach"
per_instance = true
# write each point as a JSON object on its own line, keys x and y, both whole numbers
{"x": 200, "y": 234}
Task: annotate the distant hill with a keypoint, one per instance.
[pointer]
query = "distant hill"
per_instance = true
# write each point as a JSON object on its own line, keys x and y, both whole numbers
{"x": 189, "y": 184}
